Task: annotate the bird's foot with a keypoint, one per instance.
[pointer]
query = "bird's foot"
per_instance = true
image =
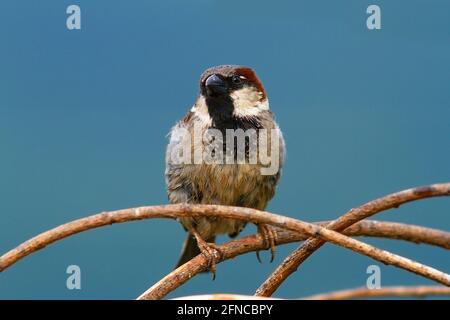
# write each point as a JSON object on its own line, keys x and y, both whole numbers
{"x": 212, "y": 254}
{"x": 269, "y": 237}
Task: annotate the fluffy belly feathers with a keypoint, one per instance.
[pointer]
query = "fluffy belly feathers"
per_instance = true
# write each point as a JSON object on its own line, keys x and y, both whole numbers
{"x": 232, "y": 184}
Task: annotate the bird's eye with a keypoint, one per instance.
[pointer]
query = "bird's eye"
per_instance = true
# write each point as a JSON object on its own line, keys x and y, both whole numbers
{"x": 236, "y": 79}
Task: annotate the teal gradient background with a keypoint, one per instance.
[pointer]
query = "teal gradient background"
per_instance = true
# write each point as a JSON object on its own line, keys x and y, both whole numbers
{"x": 84, "y": 117}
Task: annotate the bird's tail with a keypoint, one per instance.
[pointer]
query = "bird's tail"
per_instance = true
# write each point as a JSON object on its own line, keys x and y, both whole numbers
{"x": 190, "y": 249}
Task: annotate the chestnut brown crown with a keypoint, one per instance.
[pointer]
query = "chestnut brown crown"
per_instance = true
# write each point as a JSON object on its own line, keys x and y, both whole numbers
{"x": 224, "y": 79}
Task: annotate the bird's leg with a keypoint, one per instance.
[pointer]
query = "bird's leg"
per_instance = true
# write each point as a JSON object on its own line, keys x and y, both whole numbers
{"x": 210, "y": 251}
{"x": 269, "y": 236}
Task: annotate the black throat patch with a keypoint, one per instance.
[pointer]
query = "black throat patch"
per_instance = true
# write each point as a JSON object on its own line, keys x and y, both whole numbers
{"x": 221, "y": 109}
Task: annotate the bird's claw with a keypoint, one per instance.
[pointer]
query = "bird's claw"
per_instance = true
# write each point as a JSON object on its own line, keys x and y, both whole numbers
{"x": 269, "y": 237}
{"x": 212, "y": 254}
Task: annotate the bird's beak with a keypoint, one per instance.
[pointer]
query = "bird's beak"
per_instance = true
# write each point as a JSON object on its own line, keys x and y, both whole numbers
{"x": 215, "y": 85}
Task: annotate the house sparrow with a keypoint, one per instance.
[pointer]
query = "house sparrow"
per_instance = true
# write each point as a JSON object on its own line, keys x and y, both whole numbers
{"x": 231, "y": 98}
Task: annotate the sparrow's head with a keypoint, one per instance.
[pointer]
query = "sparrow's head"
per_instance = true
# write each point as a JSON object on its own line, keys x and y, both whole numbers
{"x": 232, "y": 91}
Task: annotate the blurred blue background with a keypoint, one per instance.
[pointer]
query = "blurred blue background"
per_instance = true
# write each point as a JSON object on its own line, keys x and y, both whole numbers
{"x": 84, "y": 117}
